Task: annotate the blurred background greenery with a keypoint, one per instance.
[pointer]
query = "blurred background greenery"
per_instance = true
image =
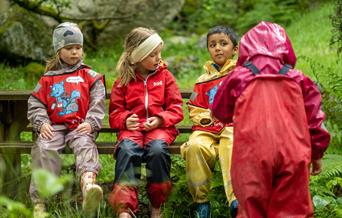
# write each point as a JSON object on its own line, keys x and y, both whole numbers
{"x": 314, "y": 27}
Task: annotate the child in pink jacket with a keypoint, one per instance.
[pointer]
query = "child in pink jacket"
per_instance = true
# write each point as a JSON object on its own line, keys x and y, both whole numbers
{"x": 278, "y": 126}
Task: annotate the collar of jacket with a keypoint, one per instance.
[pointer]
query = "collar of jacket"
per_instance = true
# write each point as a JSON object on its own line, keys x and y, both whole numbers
{"x": 210, "y": 68}
{"x": 66, "y": 69}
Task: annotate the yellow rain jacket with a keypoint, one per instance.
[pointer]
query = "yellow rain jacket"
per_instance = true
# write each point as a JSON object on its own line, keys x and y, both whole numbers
{"x": 211, "y": 139}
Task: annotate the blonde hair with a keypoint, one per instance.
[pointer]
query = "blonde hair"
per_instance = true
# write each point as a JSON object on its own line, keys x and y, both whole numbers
{"x": 54, "y": 63}
{"x": 124, "y": 66}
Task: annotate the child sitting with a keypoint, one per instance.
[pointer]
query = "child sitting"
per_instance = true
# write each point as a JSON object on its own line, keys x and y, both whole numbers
{"x": 145, "y": 106}
{"x": 211, "y": 139}
{"x": 67, "y": 107}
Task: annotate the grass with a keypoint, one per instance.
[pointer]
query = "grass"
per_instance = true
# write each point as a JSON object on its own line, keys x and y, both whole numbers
{"x": 310, "y": 37}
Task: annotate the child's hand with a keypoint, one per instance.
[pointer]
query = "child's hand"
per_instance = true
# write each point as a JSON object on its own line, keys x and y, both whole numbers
{"x": 46, "y": 131}
{"x": 132, "y": 122}
{"x": 84, "y": 128}
{"x": 152, "y": 123}
{"x": 316, "y": 167}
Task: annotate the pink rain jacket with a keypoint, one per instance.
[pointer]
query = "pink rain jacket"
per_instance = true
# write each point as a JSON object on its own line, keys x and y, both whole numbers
{"x": 269, "y": 59}
{"x": 278, "y": 126}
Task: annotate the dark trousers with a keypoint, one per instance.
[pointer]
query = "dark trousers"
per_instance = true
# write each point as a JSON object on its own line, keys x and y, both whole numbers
{"x": 129, "y": 157}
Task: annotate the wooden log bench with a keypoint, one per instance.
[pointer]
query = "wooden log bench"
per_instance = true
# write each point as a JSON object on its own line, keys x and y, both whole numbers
{"x": 13, "y": 122}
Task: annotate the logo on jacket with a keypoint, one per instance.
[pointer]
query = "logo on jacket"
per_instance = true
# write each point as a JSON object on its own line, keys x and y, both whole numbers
{"x": 63, "y": 100}
{"x": 159, "y": 83}
{"x": 211, "y": 93}
{"x": 75, "y": 79}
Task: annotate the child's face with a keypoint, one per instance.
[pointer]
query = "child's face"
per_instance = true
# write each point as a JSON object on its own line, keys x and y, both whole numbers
{"x": 71, "y": 54}
{"x": 151, "y": 62}
{"x": 220, "y": 48}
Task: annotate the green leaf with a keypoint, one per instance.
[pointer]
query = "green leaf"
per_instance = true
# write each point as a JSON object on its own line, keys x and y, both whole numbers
{"x": 320, "y": 201}
{"x": 48, "y": 184}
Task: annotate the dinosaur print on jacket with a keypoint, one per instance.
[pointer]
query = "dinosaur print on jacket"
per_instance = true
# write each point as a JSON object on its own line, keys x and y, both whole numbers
{"x": 67, "y": 103}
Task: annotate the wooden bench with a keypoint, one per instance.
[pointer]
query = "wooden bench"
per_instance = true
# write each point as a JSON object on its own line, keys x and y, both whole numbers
{"x": 10, "y": 100}
{"x": 13, "y": 121}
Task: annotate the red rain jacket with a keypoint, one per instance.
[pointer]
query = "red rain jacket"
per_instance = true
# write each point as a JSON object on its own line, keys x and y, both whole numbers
{"x": 157, "y": 95}
{"x": 66, "y": 96}
{"x": 269, "y": 59}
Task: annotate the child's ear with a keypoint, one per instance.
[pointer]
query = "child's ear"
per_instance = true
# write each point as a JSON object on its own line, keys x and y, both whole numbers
{"x": 235, "y": 50}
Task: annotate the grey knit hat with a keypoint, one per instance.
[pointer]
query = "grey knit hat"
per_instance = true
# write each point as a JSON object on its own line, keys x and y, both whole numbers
{"x": 66, "y": 34}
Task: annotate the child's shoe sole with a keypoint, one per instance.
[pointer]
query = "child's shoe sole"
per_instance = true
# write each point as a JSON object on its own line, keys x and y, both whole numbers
{"x": 92, "y": 199}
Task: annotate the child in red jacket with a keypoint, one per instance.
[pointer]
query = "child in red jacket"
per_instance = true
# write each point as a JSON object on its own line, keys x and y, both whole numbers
{"x": 66, "y": 108}
{"x": 278, "y": 126}
{"x": 145, "y": 106}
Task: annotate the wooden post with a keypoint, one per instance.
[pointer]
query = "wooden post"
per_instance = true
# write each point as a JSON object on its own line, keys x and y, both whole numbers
{"x": 13, "y": 121}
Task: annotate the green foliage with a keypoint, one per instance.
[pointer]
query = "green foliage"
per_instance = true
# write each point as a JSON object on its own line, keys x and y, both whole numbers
{"x": 279, "y": 11}
{"x": 330, "y": 84}
{"x": 48, "y": 184}
{"x": 337, "y": 26}
{"x": 199, "y": 15}
{"x": 180, "y": 194}
{"x": 13, "y": 209}
{"x": 181, "y": 199}
{"x": 326, "y": 188}
{"x": 314, "y": 57}
{"x": 318, "y": 60}
{"x": 12, "y": 78}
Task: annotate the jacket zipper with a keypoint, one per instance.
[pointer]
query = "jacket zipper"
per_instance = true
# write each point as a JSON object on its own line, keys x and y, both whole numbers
{"x": 146, "y": 94}
{"x": 146, "y": 97}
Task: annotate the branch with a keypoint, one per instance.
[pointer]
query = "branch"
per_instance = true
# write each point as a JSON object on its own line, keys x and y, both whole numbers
{"x": 51, "y": 11}
{"x": 39, "y": 8}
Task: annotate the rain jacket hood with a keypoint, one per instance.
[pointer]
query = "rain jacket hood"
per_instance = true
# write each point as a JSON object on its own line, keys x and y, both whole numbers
{"x": 275, "y": 44}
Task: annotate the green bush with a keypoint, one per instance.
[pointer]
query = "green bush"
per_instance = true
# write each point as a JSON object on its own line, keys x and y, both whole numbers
{"x": 199, "y": 15}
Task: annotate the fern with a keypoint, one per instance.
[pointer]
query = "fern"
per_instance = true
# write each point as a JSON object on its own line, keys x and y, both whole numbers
{"x": 332, "y": 167}
{"x": 326, "y": 188}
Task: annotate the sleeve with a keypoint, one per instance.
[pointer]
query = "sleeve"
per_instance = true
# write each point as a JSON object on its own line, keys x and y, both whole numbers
{"x": 199, "y": 116}
{"x": 224, "y": 101}
{"x": 117, "y": 111}
{"x": 96, "y": 111}
{"x": 320, "y": 137}
{"x": 37, "y": 113}
{"x": 173, "y": 112}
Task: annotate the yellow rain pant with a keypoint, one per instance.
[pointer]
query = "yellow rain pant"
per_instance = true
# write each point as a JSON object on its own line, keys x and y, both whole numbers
{"x": 200, "y": 154}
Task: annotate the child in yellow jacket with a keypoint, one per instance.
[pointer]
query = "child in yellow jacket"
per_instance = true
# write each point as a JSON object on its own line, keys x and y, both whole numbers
{"x": 211, "y": 139}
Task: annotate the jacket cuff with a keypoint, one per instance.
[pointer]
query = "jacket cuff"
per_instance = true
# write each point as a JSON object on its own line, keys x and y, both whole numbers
{"x": 205, "y": 119}
{"x": 317, "y": 154}
{"x": 38, "y": 125}
{"x": 93, "y": 125}
{"x": 124, "y": 117}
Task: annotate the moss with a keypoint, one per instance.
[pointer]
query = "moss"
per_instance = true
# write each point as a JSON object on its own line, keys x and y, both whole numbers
{"x": 24, "y": 35}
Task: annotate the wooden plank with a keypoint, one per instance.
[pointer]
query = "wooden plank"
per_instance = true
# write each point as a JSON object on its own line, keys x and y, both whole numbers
{"x": 103, "y": 147}
{"x": 107, "y": 129}
{"x": 11, "y": 95}
{"x": 25, "y": 94}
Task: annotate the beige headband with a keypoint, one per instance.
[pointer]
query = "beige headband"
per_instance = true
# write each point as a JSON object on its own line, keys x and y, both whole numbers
{"x": 145, "y": 48}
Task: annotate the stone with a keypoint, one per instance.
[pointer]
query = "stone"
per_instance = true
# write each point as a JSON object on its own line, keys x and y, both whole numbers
{"x": 24, "y": 36}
